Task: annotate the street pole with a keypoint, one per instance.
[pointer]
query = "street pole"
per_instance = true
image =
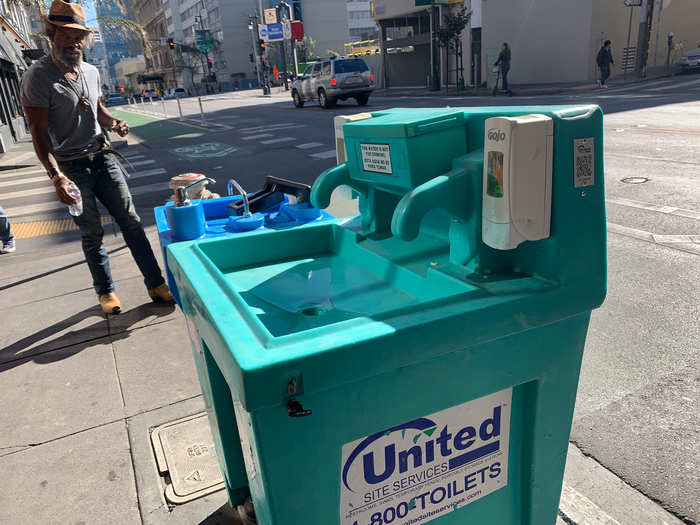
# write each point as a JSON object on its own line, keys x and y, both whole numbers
{"x": 434, "y": 51}
{"x": 629, "y": 34}
{"x": 253, "y": 23}
{"x": 284, "y": 43}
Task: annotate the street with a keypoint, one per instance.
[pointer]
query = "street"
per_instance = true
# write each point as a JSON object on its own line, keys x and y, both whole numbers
{"x": 639, "y": 391}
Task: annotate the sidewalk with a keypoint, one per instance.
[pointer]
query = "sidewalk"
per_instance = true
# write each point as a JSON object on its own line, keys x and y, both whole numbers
{"x": 523, "y": 90}
{"x": 82, "y": 390}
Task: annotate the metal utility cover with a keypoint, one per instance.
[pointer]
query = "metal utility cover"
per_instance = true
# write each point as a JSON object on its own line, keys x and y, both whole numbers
{"x": 184, "y": 449}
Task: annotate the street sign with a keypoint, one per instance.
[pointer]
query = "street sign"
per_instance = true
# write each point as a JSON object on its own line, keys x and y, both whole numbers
{"x": 262, "y": 32}
{"x": 203, "y": 39}
{"x": 633, "y": 3}
{"x": 297, "y": 30}
{"x": 270, "y": 16}
{"x": 287, "y": 29}
{"x": 275, "y": 32}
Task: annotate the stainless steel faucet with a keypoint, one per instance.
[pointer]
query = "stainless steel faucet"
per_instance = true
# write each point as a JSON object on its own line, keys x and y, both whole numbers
{"x": 181, "y": 198}
{"x": 229, "y": 189}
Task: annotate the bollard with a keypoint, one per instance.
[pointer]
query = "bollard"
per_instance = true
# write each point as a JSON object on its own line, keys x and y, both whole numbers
{"x": 162, "y": 101}
{"x": 201, "y": 112}
{"x": 179, "y": 108}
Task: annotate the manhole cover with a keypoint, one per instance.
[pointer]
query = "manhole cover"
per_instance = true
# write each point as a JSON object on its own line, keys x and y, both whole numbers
{"x": 184, "y": 451}
{"x": 635, "y": 180}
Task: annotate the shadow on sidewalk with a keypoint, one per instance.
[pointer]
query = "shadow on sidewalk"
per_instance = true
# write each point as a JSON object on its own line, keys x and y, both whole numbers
{"x": 62, "y": 347}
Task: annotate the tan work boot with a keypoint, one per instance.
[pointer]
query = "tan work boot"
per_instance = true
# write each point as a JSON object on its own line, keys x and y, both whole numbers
{"x": 161, "y": 294}
{"x": 110, "y": 303}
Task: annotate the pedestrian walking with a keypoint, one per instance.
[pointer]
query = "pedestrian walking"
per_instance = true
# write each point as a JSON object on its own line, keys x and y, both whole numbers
{"x": 504, "y": 63}
{"x": 7, "y": 240}
{"x": 604, "y": 61}
{"x": 60, "y": 96}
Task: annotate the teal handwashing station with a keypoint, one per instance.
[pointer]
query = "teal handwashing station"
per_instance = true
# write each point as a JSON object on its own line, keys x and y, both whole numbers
{"x": 418, "y": 362}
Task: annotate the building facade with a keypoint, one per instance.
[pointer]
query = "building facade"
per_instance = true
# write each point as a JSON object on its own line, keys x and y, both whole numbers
{"x": 15, "y": 42}
{"x": 551, "y": 41}
{"x": 160, "y": 72}
{"x": 115, "y": 40}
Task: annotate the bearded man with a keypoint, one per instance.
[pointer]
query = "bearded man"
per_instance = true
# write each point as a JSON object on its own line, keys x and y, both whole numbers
{"x": 61, "y": 99}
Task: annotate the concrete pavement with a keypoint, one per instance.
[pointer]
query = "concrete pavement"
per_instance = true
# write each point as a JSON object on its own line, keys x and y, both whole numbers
{"x": 80, "y": 392}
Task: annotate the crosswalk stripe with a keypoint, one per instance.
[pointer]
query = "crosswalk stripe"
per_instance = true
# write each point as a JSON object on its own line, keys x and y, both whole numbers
{"x": 32, "y": 209}
{"x": 150, "y": 188}
{"x": 309, "y": 145}
{"x": 275, "y": 141}
{"x": 13, "y": 174}
{"x": 270, "y": 127}
{"x": 674, "y": 86}
{"x": 135, "y": 175}
{"x": 262, "y": 136}
{"x": 11, "y": 158}
{"x": 142, "y": 162}
{"x": 324, "y": 154}
{"x": 27, "y": 193}
{"x": 17, "y": 182}
{"x": 134, "y": 157}
{"x": 146, "y": 173}
{"x": 637, "y": 86}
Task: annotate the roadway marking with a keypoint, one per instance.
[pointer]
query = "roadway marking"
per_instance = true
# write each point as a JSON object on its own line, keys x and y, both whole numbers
{"x": 133, "y": 157}
{"x": 142, "y": 162}
{"x": 674, "y": 86}
{"x": 309, "y": 145}
{"x": 10, "y": 158}
{"x": 17, "y": 182}
{"x": 275, "y": 141}
{"x": 637, "y": 85}
{"x": 577, "y": 508}
{"x": 669, "y": 210}
{"x": 691, "y": 243}
{"x": 262, "y": 136}
{"x": 150, "y": 188}
{"x": 28, "y": 193}
{"x": 147, "y": 173}
{"x": 324, "y": 154}
{"x": 272, "y": 127}
{"x": 31, "y": 209}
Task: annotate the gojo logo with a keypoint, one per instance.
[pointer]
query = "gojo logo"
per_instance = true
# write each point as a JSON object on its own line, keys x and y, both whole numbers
{"x": 496, "y": 135}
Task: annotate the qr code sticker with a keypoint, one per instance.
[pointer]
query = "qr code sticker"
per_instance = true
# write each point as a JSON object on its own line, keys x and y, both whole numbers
{"x": 583, "y": 162}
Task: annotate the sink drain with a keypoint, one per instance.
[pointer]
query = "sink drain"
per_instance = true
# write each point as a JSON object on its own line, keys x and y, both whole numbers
{"x": 635, "y": 180}
{"x": 313, "y": 311}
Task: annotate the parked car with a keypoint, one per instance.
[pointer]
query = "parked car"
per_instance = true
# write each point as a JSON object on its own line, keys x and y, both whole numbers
{"x": 113, "y": 99}
{"x": 334, "y": 79}
{"x": 149, "y": 93}
{"x": 691, "y": 60}
{"x": 175, "y": 93}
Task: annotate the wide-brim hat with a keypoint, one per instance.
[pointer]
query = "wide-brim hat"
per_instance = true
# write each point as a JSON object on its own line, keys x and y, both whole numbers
{"x": 65, "y": 13}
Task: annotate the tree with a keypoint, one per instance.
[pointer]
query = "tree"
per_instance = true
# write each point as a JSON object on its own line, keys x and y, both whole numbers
{"x": 449, "y": 36}
{"x": 305, "y": 49}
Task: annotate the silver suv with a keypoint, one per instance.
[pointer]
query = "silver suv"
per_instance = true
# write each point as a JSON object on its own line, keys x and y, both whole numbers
{"x": 334, "y": 79}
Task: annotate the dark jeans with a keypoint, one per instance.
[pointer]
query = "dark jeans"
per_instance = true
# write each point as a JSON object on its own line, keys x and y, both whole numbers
{"x": 604, "y": 74}
{"x": 102, "y": 178}
{"x": 5, "y": 233}
{"x": 504, "y": 75}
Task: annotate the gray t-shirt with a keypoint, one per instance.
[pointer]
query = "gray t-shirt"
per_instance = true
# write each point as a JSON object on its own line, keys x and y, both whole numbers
{"x": 73, "y": 129}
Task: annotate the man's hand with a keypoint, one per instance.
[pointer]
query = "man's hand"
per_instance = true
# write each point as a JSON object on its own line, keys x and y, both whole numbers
{"x": 120, "y": 127}
{"x": 61, "y": 183}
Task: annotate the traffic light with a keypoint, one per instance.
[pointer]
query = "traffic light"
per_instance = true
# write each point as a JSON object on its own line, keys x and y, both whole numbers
{"x": 171, "y": 43}
{"x": 251, "y": 57}
{"x": 212, "y": 76}
{"x": 261, "y": 44}
{"x": 210, "y": 63}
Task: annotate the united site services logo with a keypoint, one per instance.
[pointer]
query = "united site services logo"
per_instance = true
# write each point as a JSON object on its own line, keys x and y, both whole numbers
{"x": 426, "y": 448}
{"x": 496, "y": 135}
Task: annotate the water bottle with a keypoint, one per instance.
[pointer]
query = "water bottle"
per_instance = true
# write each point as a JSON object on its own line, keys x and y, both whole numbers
{"x": 77, "y": 208}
